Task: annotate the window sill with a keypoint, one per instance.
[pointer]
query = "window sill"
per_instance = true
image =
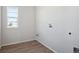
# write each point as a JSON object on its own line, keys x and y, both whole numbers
{"x": 12, "y": 27}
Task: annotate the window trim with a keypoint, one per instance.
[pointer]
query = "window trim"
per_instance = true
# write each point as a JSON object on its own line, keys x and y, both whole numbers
{"x": 13, "y": 17}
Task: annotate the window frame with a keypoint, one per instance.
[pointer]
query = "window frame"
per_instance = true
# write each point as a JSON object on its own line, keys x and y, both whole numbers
{"x": 14, "y": 17}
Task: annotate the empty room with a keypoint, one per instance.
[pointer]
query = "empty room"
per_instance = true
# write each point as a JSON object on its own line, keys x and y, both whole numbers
{"x": 39, "y": 29}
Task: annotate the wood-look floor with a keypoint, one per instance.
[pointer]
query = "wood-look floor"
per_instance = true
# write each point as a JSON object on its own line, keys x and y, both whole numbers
{"x": 26, "y": 47}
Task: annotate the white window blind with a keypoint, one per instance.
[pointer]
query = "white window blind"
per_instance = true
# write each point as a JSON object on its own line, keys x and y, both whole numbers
{"x": 12, "y": 17}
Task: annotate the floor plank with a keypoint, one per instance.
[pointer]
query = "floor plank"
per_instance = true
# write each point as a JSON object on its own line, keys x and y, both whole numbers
{"x": 26, "y": 47}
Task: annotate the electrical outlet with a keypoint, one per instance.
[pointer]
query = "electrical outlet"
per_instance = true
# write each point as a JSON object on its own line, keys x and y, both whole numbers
{"x": 50, "y": 25}
{"x": 37, "y": 34}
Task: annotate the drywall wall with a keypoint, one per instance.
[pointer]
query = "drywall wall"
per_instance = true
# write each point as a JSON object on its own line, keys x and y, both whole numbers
{"x": 63, "y": 20}
{"x": 0, "y": 26}
{"x": 74, "y": 23}
{"x": 26, "y": 26}
{"x": 71, "y": 18}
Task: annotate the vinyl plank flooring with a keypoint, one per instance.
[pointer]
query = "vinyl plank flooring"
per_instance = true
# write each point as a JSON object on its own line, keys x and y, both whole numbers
{"x": 26, "y": 47}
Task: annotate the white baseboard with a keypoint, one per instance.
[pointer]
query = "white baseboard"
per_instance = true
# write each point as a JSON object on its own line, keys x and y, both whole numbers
{"x": 46, "y": 46}
{"x": 17, "y": 42}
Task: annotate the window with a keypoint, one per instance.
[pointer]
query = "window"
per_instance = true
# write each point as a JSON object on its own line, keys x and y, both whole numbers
{"x": 12, "y": 17}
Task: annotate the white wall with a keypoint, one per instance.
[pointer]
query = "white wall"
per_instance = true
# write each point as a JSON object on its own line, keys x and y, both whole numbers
{"x": 63, "y": 20}
{"x": 75, "y": 25}
{"x": 71, "y": 19}
{"x": 25, "y": 30}
{"x": 0, "y": 26}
